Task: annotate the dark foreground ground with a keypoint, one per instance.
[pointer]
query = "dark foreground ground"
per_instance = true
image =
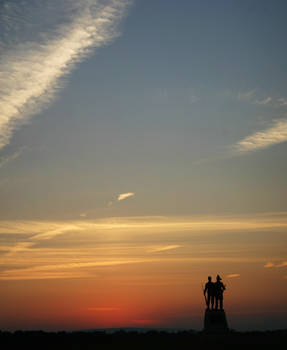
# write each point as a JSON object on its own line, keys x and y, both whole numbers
{"x": 134, "y": 340}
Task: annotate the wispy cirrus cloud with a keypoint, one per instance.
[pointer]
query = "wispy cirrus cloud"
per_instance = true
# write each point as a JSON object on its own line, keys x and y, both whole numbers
{"x": 282, "y": 101}
{"x": 265, "y": 101}
{"x": 9, "y": 158}
{"x": 251, "y": 96}
{"x": 271, "y": 264}
{"x": 62, "y": 270}
{"x": 120, "y": 197}
{"x": 276, "y": 133}
{"x": 123, "y": 196}
{"x": 272, "y": 101}
{"x": 43, "y": 230}
{"x": 32, "y": 72}
{"x": 233, "y": 275}
{"x": 246, "y": 95}
{"x": 21, "y": 246}
{"x": 164, "y": 248}
{"x": 47, "y": 233}
{"x": 84, "y": 248}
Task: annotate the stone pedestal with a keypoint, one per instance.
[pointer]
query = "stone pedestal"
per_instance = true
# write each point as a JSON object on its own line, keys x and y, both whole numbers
{"x": 215, "y": 321}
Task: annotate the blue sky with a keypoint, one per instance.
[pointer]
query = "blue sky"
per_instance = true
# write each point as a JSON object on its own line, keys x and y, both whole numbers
{"x": 157, "y": 110}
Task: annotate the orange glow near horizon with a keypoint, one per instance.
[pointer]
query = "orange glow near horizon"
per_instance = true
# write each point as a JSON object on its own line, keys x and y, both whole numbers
{"x": 145, "y": 275}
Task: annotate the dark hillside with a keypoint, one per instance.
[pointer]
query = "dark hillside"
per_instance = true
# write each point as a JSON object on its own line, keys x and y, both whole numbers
{"x": 136, "y": 340}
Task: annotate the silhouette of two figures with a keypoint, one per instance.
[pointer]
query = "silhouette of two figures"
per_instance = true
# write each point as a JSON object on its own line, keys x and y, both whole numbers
{"x": 213, "y": 293}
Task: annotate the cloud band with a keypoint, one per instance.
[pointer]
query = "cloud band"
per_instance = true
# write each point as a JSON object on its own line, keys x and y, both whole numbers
{"x": 31, "y": 73}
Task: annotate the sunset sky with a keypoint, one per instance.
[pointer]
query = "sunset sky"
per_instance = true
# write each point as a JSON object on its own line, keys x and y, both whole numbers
{"x": 142, "y": 148}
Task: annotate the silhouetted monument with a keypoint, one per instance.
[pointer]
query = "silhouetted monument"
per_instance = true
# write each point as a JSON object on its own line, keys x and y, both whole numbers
{"x": 214, "y": 318}
{"x": 209, "y": 290}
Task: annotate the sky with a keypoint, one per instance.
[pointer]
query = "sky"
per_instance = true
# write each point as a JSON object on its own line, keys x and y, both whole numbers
{"x": 142, "y": 148}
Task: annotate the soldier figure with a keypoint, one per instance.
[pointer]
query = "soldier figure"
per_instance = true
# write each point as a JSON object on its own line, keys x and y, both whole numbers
{"x": 219, "y": 288}
{"x": 209, "y": 289}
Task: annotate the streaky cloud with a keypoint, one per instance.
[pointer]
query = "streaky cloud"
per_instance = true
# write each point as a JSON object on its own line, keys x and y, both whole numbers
{"x": 265, "y": 101}
{"x": 123, "y": 196}
{"x": 233, "y": 275}
{"x": 40, "y": 231}
{"x": 22, "y": 246}
{"x": 259, "y": 140}
{"x": 31, "y": 73}
{"x": 87, "y": 268}
{"x": 120, "y": 197}
{"x": 9, "y": 158}
{"x": 282, "y": 101}
{"x": 270, "y": 264}
{"x": 164, "y": 248}
{"x": 245, "y": 95}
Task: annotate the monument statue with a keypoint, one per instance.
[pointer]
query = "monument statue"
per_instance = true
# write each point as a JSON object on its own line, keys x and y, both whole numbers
{"x": 214, "y": 318}
{"x": 219, "y": 288}
{"x": 209, "y": 291}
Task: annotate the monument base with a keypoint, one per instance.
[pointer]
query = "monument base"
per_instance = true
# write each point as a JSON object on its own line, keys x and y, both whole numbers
{"x": 215, "y": 321}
